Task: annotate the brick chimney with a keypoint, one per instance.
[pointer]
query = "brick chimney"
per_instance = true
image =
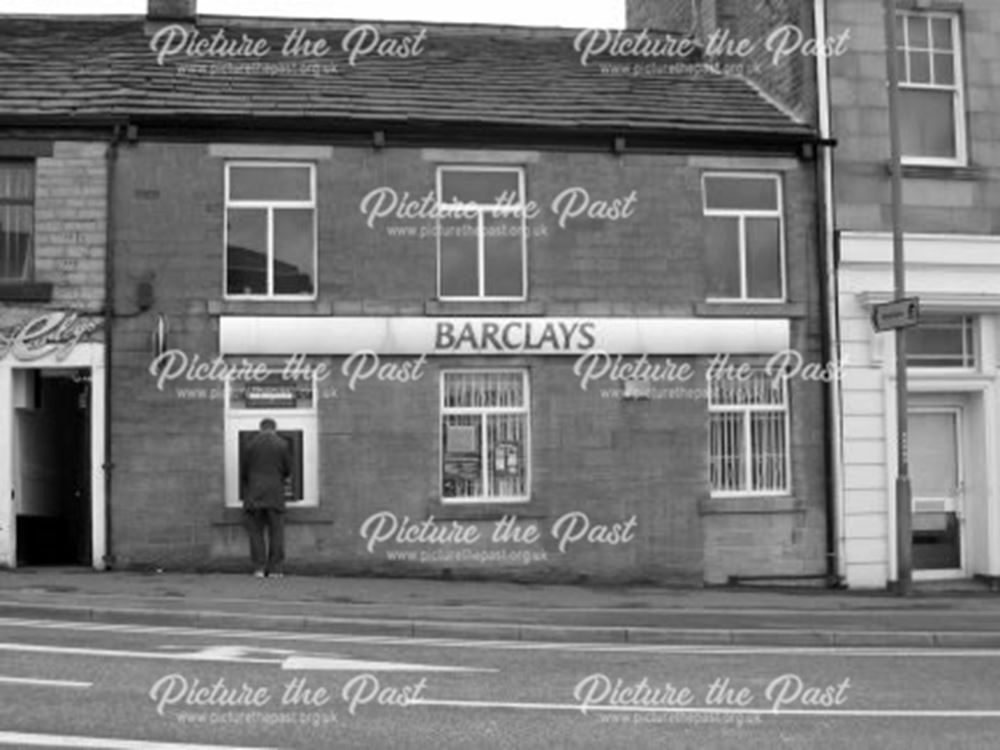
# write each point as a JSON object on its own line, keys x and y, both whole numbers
{"x": 172, "y": 10}
{"x": 673, "y": 15}
{"x": 790, "y": 83}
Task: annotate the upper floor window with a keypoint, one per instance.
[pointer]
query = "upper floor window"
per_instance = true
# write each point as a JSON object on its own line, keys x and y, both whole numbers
{"x": 270, "y": 230}
{"x": 17, "y": 217}
{"x": 942, "y": 341}
{"x": 482, "y": 248}
{"x": 745, "y": 243}
{"x": 931, "y": 101}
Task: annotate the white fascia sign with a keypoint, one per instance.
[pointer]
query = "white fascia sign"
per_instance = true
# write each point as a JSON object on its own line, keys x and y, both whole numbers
{"x": 444, "y": 336}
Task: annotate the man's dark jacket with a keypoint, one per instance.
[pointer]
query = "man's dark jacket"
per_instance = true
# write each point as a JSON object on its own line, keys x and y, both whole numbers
{"x": 267, "y": 463}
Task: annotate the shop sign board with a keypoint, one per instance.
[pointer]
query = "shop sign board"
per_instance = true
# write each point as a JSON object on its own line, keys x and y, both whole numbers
{"x": 444, "y": 336}
{"x": 51, "y": 334}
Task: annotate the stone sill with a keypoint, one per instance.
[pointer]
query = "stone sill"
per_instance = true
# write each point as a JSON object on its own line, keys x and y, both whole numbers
{"x": 935, "y": 172}
{"x": 234, "y": 516}
{"x": 268, "y": 307}
{"x": 443, "y": 307}
{"x": 532, "y": 509}
{"x": 26, "y": 291}
{"x": 750, "y": 310}
{"x": 739, "y": 505}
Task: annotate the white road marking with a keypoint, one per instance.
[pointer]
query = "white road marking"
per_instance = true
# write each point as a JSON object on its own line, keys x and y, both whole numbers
{"x": 817, "y": 712}
{"x": 227, "y": 653}
{"x": 23, "y": 739}
{"x": 79, "y": 651}
{"x": 45, "y": 683}
{"x": 363, "y": 665}
{"x": 288, "y": 660}
{"x": 503, "y": 645}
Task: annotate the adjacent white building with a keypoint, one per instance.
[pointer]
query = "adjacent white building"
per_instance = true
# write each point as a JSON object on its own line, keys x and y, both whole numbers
{"x": 954, "y": 411}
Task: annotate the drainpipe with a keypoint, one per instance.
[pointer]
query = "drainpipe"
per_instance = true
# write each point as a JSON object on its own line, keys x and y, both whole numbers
{"x": 831, "y": 320}
{"x": 111, "y": 157}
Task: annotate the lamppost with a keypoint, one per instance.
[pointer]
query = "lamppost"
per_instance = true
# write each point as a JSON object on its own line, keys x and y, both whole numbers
{"x": 904, "y": 508}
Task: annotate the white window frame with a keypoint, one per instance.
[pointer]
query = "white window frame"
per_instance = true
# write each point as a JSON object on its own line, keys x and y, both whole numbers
{"x": 444, "y": 411}
{"x": 239, "y": 419}
{"x": 743, "y": 215}
{"x": 745, "y": 410}
{"x": 270, "y": 205}
{"x": 971, "y": 346}
{"x": 482, "y": 209}
{"x": 957, "y": 88}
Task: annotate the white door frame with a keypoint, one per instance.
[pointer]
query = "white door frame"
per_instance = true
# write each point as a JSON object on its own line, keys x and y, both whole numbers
{"x": 974, "y": 388}
{"x": 86, "y": 356}
{"x": 958, "y": 500}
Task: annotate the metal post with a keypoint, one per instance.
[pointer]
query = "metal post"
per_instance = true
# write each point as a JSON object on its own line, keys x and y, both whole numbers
{"x": 904, "y": 510}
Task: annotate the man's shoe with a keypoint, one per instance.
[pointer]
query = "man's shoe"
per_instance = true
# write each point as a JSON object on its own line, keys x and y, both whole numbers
{"x": 259, "y": 574}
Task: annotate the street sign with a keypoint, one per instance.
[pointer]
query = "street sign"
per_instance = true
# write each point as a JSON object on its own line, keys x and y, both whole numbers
{"x": 900, "y": 313}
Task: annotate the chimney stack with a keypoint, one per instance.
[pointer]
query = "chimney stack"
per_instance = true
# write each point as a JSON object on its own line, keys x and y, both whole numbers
{"x": 172, "y": 10}
{"x": 679, "y": 16}
{"x": 790, "y": 81}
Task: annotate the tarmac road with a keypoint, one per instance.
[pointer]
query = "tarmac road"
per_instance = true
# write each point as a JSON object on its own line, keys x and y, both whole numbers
{"x": 131, "y": 687}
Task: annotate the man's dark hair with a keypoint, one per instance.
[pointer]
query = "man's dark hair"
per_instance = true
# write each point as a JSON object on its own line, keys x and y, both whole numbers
{"x": 268, "y": 424}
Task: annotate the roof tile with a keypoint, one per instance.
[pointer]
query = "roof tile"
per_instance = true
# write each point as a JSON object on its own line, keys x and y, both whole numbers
{"x": 504, "y": 76}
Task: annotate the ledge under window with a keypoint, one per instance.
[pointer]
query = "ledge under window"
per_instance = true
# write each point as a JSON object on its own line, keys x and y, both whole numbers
{"x": 485, "y": 510}
{"x": 708, "y": 506}
{"x": 750, "y": 309}
{"x": 234, "y": 516}
{"x": 940, "y": 172}
{"x": 268, "y": 307}
{"x": 26, "y": 291}
{"x": 486, "y": 307}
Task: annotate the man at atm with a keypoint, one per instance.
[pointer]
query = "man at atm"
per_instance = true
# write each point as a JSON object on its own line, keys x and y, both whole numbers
{"x": 265, "y": 468}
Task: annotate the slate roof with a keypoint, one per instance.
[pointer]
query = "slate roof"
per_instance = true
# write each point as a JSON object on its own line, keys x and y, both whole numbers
{"x": 84, "y": 67}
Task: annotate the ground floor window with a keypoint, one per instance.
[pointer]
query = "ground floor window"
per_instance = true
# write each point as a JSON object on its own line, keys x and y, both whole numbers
{"x": 942, "y": 341}
{"x": 485, "y": 430}
{"x": 748, "y": 434}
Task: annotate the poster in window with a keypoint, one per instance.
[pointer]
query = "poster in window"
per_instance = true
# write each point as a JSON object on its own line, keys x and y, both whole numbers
{"x": 506, "y": 458}
{"x": 461, "y": 439}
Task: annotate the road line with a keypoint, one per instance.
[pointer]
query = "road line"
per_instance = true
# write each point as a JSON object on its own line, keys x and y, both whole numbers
{"x": 45, "y": 683}
{"x": 239, "y": 655}
{"x": 815, "y": 712}
{"x": 365, "y": 665}
{"x": 79, "y": 651}
{"x": 22, "y": 739}
{"x": 501, "y": 645}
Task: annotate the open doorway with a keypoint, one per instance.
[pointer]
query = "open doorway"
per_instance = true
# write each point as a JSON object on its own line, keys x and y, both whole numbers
{"x": 52, "y": 471}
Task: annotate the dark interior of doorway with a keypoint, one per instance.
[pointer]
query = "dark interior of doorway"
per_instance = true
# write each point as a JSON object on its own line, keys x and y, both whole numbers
{"x": 53, "y": 519}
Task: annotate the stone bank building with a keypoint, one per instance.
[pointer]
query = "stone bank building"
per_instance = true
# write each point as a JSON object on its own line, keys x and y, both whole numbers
{"x": 479, "y": 284}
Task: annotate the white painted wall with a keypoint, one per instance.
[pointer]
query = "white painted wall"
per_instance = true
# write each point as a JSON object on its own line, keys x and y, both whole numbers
{"x": 950, "y": 273}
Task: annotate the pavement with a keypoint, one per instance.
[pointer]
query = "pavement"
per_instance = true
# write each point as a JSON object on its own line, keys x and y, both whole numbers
{"x": 953, "y": 615}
